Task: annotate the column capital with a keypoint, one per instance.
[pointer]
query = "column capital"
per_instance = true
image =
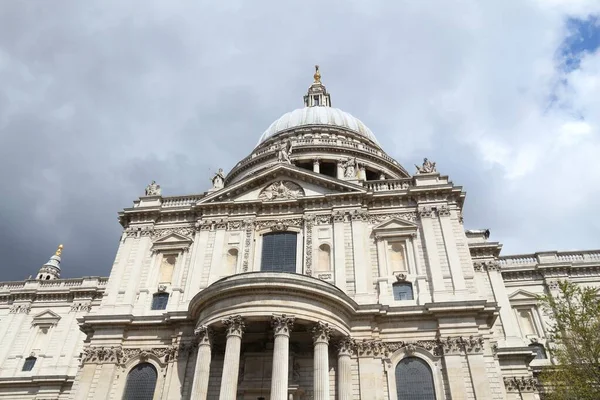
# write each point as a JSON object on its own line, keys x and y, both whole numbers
{"x": 321, "y": 332}
{"x": 282, "y": 324}
{"x": 235, "y": 325}
{"x": 204, "y": 335}
{"x": 346, "y": 346}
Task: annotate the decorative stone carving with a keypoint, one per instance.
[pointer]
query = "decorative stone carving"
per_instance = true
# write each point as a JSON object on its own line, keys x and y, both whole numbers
{"x": 218, "y": 180}
{"x": 321, "y": 332}
{"x": 102, "y": 355}
{"x": 280, "y": 224}
{"x": 282, "y": 324}
{"x": 323, "y": 219}
{"x": 359, "y": 215}
{"x": 164, "y": 354}
{"x": 309, "y": 222}
{"x": 20, "y": 308}
{"x": 371, "y": 348}
{"x": 455, "y": 345}
{"x": 234, "y": 325}
{"x": 400, "y": 277}
{"x": 346, "y": 346}
{"x": 81, "y": 306}
{"x": 235, "y": 225}
{"x": 183, "y": 230}
{"x": 481, "y": 266}
{"x": 378, "y": 218}
{"x": 552, "y": 284}
{"x": 281, "y": 190}
{"x": 443, "y": 211}
{"x": 249, "y": 227}
{"x": 426, "y": 212}
{"x": 350, "y": 166}
{"x": 284, "y": 152}
{"x": 427, "y": 167}
{"x": 204, "y": 335}
{"x": 521, "y": 384}
{"x": 153, "y": 189}
{"x": 339, "y": 216}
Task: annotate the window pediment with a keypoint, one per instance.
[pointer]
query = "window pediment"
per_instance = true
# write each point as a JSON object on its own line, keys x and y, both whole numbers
{"x": 173, "y": 241}
{"x": 523, "y": 297}
{"x": 46, "y": 318}
{"x": 395, "y": 227}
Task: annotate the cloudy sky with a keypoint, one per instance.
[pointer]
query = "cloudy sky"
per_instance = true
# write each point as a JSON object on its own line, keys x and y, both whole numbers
{"x": 99, "y": 98}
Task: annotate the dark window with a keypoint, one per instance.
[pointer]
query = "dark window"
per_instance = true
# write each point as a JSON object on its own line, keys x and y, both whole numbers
{"x": 316, "y": 100}
{"x": 141, "y": 382}
{"x": 402, "y": 291}
{"x": 29, "y": 363}
{"x": 279, "y": 252}
{"x": 414, "y": 380}
{"x": 540, "y": 351}
{"x": 305, "y": 165}
{"x": 372, "y": 175}
{"x": 328, "y": 168}
{"x": 159, "y": 301}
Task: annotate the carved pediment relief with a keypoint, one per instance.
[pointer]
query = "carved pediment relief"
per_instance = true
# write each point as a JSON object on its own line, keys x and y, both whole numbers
{"x": 282, "y": 182}
{"x": 281, "y": 190}
{"x": 172, "y": 241}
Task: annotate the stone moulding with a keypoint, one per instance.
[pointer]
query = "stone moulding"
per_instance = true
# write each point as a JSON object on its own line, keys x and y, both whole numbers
{"x": 437, "y": 347}
{"x": 119, "y": 355}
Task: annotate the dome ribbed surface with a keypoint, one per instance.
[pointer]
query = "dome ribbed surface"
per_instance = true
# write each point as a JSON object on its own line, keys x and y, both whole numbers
{"x": 317, "y": 116}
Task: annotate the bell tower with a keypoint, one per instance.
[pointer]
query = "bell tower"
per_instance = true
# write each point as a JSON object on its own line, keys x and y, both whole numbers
{"x": 51, "y": 270}
{"x": 317, "y": 95}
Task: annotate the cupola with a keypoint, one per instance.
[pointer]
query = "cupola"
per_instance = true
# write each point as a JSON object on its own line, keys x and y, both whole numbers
{"x": 317, "y": 95}
{"x": 51, "y": 270}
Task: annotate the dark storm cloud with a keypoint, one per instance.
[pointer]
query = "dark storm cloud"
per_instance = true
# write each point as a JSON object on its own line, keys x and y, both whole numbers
{"x": 97, "y": 99}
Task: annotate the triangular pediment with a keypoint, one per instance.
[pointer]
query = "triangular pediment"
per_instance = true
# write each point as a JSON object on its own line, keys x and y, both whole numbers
{"x": 46, "y": 317}
{"x": 522, "y": 294}
{"x": 172, "y": 241}
{"x": 395, "y": 226}
{"x": 286, "y": 182}
{"x": 172, "y": 238}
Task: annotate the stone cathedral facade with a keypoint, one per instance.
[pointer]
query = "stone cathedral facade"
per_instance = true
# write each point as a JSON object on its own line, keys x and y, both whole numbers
{"x": 317, "y": 268}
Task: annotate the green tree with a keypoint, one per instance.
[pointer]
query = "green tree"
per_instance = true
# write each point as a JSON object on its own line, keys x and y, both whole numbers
{"x": 575, "y": 331}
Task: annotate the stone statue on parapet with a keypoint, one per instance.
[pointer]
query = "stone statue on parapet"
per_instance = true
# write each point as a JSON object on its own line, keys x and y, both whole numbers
{"x": 153, "y": 189}
{"x": 350, "y": 168}
{"x": 284, "y": 152}
{"x": 218, "y": 180}
{"x": 427, "y": 167}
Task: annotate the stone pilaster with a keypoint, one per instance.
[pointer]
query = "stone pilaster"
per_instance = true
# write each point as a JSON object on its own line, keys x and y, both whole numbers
{"x": 231, "y": 365}
{"x": 344, "y": 369}
{"x": 203, "y": 359}
{"x": 426, "y": 215}
{"x": 282, "y": 325}
{"x": 321, "y": 334}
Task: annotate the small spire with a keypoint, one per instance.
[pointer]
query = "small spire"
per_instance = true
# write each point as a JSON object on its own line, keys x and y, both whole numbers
{"x": 51, "y": 270}
{"x": 59, "y": 250}
{"x": 317, "y": 75}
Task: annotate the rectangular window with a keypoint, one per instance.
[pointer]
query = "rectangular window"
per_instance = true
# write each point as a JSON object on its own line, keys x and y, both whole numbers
{"x": 160, "y": 301}
{"x": 279, "y": 252}
{"x": 402, "y": 291}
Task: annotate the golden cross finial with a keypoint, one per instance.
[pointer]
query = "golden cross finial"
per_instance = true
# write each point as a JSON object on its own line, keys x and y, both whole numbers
{"x": 317, "y": 74}
{"x": 59, "y": 250}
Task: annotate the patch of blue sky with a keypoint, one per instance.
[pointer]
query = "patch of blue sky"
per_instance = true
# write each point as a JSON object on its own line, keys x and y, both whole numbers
{"x": 583, "y": 37}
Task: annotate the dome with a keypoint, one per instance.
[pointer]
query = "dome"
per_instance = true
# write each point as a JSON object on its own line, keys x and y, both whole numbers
{"x": 322, "y": 115}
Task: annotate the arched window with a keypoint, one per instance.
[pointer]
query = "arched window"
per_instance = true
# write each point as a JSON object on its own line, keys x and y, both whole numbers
{"x": 231, "y": 261}
{"x": 414, "y": 380}
{"x": 540, "y": 351}
{"x": 324, "y": 258}
{"x": 159, "y": 301}
{"x": 279, "y": 252}
{"x": 29, "y": 363}
{"x": 402, "y": 291}
{"x": 141, "y": 382}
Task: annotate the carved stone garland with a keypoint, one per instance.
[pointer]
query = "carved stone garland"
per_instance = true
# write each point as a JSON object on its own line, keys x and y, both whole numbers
{"x": 521, "y": 384}
{"x": 309, "y": 222}
{"x": 119, "y": 355}
{"x": 249, "y": 226}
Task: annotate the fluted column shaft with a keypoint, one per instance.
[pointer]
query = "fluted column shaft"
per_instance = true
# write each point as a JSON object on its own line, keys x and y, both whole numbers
{"x": 321, "y": 334}
{"x": 282, "y": 325}
{"x": 231, "y": 363}
{"x": 344, "y": 369}
{"x": 203, "y": 358}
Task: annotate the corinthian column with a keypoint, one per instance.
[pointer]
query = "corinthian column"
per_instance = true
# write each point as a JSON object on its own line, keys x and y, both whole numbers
{"x": 231, "y": 364}
{"x": 202, "y": 372}
{"x": 344, "y": 369}
{"x": 282, "y": 325}
{"x": 321, "y": 334}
